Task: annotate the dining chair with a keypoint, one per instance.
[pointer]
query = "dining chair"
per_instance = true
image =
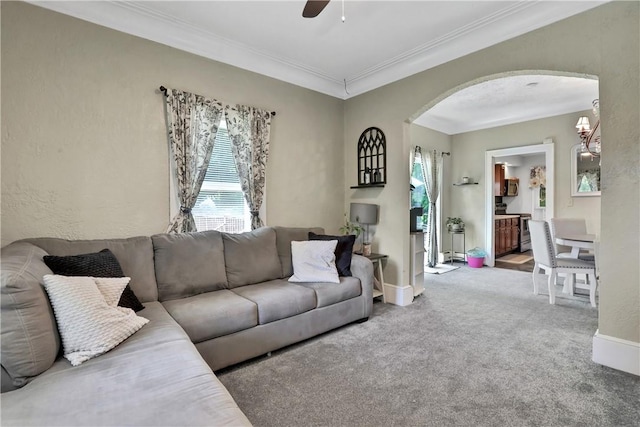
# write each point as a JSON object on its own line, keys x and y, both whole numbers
{"x": 545, "y": 259}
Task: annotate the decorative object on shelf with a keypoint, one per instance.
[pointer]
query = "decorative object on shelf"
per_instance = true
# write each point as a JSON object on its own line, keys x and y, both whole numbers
{"x": 590, "y": 142}
{"x": 465, "y": 179}
{"x": 455, "y": 224}
{"x": 372, "y": 158}
{"x": 364, "y": 213}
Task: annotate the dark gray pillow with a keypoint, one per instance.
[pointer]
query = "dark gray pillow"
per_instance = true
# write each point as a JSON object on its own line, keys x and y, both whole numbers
{"x": 344, "y": 250}
{"x": 98, "y": 264}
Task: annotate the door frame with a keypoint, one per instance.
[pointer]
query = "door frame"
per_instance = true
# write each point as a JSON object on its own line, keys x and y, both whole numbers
{"x": 547, "y": 149}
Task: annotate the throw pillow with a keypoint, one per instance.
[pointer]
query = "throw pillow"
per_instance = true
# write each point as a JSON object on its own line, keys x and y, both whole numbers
{"x": 344, "y": 250}
{"x": 314, "y": 261}
{"x": 98, "y": 264}
{"x": 88, "y": 326}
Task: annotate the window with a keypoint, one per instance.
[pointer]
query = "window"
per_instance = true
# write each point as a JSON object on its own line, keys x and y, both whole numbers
{"x": 221, "y": 204}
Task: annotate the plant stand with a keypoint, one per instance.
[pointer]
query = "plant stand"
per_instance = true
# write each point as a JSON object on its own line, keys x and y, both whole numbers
{"x": 458, "y": 256}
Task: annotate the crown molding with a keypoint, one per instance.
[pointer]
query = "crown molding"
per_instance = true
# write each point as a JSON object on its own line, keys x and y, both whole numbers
{"x": 137, "y": 19}
{"x": 510, "y": 22}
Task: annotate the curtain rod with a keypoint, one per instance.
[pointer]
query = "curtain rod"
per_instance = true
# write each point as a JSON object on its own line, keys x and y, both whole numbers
{"x": 164, "y": 90}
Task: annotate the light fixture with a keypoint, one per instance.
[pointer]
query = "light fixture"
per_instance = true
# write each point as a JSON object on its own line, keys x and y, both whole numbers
{"x": 365, "y": 214}
{"x": 588, "y": 138}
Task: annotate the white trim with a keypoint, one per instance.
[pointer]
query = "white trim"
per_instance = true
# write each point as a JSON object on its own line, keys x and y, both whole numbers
{"x": 616, "y": 353}
{"x": 548, "y": 149}
{"x": 398, "y": 295}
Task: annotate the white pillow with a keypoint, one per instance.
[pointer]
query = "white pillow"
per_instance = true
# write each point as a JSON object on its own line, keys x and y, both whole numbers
{"x": 314, "y": 261}
{"x": 111, "y": 288}
{"x": 88, "y": 325}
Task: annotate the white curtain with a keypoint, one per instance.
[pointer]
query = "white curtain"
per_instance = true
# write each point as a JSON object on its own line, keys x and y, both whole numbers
{"x": 432, "y": 171}
{"x": 193, "y": 122}
{"x": 249, "y": 129}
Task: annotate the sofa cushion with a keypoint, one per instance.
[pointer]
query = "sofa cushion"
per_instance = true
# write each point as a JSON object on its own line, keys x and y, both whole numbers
{"x": 343, "y": 252}
{"x": 29, "y": 342}
{"x": 134, "y": 254}
{"x": 284, "y": 237}
{"x": 314, "y": 261}
{"x": 213, "y": 314}
{"x": 251, "y": 257}
{"x": 278, "y": 299}
{"x": 188, "y": 264}
{"x": 97, "y": 264}
{"x": 155, "y": 378}
{"x": 88, "y": 325}
{"x": 332, "y": 293}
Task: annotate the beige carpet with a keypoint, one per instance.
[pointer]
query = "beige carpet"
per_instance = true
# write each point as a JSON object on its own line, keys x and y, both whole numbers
{"x": 515, "y": 258}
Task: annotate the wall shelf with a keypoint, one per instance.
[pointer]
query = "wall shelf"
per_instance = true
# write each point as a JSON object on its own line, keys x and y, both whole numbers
{"x": 368, "y": 186}
{"x": 465, "y": 183}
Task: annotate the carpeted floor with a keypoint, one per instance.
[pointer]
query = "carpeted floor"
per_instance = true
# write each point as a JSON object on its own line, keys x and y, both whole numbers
{"x": 477, "y": 348}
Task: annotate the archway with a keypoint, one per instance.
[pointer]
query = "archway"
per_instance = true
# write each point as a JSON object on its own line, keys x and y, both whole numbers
{"x": 483, "y": 231}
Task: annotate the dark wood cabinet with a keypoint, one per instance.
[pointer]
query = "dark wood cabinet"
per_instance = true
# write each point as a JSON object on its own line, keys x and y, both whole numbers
{"x": 498, "y": 183}
{"x": 506, "y": 235}
{"x": 514, "y": 233}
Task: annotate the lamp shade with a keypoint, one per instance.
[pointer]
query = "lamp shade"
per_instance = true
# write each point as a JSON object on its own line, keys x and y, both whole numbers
{"x": 363, "y": 213}
{"x": 583, "y": 124}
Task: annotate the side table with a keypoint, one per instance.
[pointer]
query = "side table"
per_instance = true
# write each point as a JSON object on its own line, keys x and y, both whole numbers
{"x": 377, "y": 259}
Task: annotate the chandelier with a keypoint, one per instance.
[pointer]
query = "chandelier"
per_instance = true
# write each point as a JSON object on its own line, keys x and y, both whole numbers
{"x": 589, "y": 140}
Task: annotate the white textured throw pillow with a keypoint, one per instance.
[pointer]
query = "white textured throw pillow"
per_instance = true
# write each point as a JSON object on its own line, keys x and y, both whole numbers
{"x": 314, "y": 261}
{"x": 89, "y": 325}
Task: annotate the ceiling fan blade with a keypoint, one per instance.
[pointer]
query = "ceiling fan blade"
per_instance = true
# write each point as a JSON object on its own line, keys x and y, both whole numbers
{"x": 313, "y": 8}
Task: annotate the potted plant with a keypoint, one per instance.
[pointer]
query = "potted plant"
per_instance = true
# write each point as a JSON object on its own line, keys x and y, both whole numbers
{"x": 351, "y": 228}
{"x": 455, "y": 224}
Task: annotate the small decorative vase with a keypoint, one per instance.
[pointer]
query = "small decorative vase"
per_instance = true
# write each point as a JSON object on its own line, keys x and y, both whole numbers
{"x": 366, "y": 249}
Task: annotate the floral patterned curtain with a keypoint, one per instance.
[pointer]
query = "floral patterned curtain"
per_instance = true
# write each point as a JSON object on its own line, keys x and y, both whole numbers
{"x": 432, "y": 172}
{"x": 193, "y": 122}
{"x": 249, "y": 129}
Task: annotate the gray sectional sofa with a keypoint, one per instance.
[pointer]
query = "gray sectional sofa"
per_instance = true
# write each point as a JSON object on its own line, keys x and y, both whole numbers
{"x": 213, "y": 300}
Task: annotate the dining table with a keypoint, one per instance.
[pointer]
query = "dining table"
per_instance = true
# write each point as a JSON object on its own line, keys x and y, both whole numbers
{"x": 577, "y": 242}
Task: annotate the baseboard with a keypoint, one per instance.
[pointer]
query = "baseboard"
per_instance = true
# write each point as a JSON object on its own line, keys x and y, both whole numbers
{"x": 616, "y": 353}
{"x": 398, "y": 295}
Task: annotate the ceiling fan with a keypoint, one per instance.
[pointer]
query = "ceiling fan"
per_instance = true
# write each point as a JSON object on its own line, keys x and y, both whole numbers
{"x": 313, "y": 8}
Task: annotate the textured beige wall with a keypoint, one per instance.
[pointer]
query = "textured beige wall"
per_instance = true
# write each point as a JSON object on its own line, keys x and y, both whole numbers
{"x": 468, "y": 157}
{"x": 84, "y": 148}
{"x": 612, "y": 32}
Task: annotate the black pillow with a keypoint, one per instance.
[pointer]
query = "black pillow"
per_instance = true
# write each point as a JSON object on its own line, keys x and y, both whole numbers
{"x": 344, "y": 250}
{"x": 99, "y": 264}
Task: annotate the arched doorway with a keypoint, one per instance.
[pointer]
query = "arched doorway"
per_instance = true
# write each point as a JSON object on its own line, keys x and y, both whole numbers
{"x": 479, "y": 203}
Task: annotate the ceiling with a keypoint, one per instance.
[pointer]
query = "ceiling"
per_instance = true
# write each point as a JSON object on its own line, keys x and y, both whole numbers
{"x": 380, "y": 41}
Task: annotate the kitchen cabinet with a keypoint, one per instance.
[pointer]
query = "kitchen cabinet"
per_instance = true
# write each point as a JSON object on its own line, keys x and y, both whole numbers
{"x": 498, "y": 183}
{"x": 506, "y": 235}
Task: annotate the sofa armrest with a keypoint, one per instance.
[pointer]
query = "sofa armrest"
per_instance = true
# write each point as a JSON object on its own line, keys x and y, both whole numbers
{"x": 362, "y": 268}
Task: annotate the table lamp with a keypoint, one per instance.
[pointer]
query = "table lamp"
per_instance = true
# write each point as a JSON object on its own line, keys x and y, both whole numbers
{"x": 365, "y": 214}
